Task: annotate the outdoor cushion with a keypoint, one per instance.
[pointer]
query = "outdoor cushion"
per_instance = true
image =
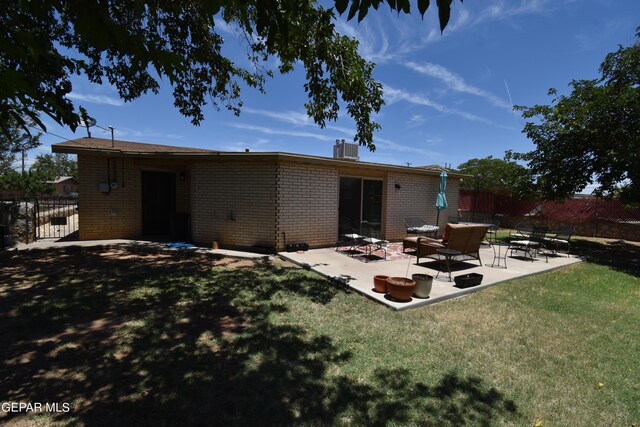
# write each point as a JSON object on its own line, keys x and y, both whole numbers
{"x": 422, "y": 229}
{"x": 411, "y": 242}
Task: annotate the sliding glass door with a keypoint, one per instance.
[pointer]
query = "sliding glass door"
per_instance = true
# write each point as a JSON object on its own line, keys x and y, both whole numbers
{"x": 360, "y": 206}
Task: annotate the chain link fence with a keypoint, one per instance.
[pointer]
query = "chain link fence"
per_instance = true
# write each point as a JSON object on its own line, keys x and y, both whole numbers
{"x": 591, "y": 216}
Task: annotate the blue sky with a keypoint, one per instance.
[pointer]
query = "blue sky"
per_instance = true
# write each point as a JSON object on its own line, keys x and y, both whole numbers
{"x": 448, "y": 97}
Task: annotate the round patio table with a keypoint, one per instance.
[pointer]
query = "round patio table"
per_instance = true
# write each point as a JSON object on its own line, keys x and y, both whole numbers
{"x": 498, "y": 256}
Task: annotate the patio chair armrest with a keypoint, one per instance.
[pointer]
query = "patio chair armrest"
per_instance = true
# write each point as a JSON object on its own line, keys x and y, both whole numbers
{"x": 429, "y": 240}
{"x": 431, "y": 243}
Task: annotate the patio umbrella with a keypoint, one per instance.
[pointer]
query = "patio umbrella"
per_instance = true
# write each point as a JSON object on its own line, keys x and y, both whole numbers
{"x": 441, "y": 201}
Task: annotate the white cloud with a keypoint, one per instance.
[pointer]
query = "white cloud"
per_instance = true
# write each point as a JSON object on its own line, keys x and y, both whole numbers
{"x": 292, "y": 117}
{"x": 393, "y": 95}
{"x": 296, "y": 118}
{"x": 417, "y": 149}
{"x": 456, "y": 83}
{"x": 96, "y": 99}
{"x": 271, "y": 131}
{"x": 128, "y": 132}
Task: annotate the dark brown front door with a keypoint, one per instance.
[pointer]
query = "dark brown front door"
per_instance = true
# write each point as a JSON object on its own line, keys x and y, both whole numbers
{"x": 158, "y": 202}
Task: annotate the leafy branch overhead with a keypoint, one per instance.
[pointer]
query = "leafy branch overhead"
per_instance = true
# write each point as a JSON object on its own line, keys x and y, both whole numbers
{"x": 361, "y": 8}
{"x": 134, "y": 44}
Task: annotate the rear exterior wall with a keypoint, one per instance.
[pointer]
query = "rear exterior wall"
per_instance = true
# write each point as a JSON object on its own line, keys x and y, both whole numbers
{"x": 307, "y": 205}
{"x": 118, "y": 213}
{"x": 234, "y": 204}
{"x": 249, "y": 203}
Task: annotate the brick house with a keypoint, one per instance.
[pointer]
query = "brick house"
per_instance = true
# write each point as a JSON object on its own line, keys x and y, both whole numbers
{"x": 65, "y": 185}
{"x": 241, "y": 200}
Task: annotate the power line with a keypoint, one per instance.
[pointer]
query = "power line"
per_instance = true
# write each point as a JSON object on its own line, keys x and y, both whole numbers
{"x": 48, "y": 133}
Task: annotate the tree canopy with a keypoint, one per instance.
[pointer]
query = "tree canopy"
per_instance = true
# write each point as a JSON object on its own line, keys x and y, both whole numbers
{"x": 53, "y": 166}
{"x": 497, "y": 176}
{"x": 133, "y": 44}
{"x": 46, "y": 167}
{"x": 12, "y": 142}
{"x": 593, "y": 134}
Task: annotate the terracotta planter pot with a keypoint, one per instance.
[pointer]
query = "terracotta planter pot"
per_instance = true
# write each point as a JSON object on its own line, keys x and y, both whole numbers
{"x": 424, "y": 282}
{"x": 401, "y": 288}
{"x": 380, "y": 283}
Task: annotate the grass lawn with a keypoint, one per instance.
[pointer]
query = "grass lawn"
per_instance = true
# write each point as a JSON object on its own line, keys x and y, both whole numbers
{"x": 138, "y": 338}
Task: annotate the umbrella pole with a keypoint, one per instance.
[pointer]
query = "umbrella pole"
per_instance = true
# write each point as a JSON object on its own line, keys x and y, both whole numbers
{"x": 438, "y": 218}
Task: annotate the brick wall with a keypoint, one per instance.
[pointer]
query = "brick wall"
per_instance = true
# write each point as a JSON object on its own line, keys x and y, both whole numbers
{"x": 416, "y": 197}
{"x": 234, "y": 203}
{"x": 118, "y": 214}
{"x": 243, "y": 203}
{"x": 307, "y": 204}
{"x": 112, "y": 215}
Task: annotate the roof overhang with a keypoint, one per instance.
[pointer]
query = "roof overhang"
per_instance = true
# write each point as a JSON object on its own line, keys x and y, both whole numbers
{"x": 207, "y": 155}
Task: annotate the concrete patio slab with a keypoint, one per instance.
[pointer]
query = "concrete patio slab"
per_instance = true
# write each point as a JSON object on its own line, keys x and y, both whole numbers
{"x": 358, "y": 275}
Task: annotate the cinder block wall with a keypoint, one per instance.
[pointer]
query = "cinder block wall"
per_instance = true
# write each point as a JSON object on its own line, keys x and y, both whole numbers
{"x": 416, "y": 197}
{"x": 118, "y": 214}
{"x": 234, "y": 203}
{"x": 307, "y": 205}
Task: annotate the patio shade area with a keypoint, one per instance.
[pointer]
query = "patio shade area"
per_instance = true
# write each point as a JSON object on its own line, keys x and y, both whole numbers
{"x": 358, "y": 275}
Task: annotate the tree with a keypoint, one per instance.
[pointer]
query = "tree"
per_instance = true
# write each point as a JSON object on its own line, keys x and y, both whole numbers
{"x": 133, "y": 44}
{"x": 497, "y": 176}
{"x": 49, "y": 167}
{"x": 12, "y": 142}
{"x": 593, "y": 134}
{"x": 29, "y": 182}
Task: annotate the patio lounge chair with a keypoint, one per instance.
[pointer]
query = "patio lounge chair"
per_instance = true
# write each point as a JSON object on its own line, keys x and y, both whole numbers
{"x": 460, "y": 237}
{"x": 419, "y": 228}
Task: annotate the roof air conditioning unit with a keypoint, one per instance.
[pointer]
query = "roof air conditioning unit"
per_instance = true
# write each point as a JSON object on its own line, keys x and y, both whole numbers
{"x": 345, "y": 151}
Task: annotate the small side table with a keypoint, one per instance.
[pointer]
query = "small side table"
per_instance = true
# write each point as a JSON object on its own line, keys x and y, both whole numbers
{"x": 448, "y": 255}
{"x": 497, "y": 256}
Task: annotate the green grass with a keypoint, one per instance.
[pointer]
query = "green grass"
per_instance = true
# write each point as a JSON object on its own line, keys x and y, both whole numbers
{"x": 133, "y": 338}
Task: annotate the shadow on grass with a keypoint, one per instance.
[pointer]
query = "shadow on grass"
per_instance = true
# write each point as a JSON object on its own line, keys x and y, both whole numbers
{"x": 619, "y": 255}
{"x": 176, "y": 339}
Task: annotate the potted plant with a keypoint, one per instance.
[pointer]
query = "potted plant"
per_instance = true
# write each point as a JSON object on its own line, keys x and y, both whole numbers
{"x": 401, "y": 288}
{"x": 380, "y": 283}
{"x": 424, "y": 282}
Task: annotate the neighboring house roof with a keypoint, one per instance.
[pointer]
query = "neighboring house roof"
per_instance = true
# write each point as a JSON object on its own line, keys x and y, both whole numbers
{"x": 434, "y": 167}
{"x": 105, "y": 147}
{"x": 61, "y": 179}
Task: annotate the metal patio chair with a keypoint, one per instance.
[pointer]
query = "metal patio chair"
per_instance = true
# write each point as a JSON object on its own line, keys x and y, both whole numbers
{"x": 561, "y": 239}
{"x": 372, "y": 241}
{"x": 531, "y": 245}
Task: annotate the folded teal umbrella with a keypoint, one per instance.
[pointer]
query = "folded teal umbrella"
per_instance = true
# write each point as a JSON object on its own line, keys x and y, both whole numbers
{"x": 441, "y": 200}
